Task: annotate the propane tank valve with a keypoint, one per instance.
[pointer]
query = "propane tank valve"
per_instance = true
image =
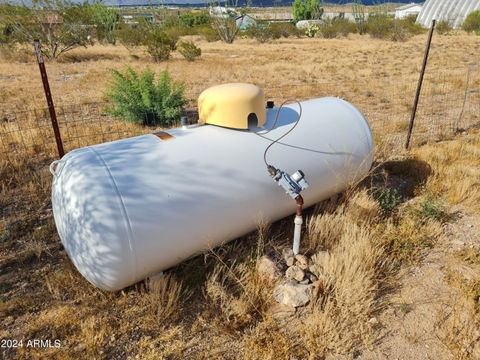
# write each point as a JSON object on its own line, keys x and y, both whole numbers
{"x": 293, "y": 185}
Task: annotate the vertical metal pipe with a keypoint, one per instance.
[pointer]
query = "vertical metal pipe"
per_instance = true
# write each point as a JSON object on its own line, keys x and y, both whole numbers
{"x": 48, "y": 95}
{"x": 419, "y": 86}
{"x": 298, "y": 221}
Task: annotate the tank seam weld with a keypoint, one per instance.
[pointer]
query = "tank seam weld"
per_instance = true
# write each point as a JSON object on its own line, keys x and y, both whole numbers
{"x": 124, "y": 210}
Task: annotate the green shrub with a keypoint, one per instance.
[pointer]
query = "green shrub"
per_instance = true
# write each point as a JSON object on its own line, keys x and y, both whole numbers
{"x": 411, "y": 26}
{"x": 132, "y": 35}
{"x": 433, "y": 209}
{"x": 472, "y": 22}
{"x": 283, "y": 29}
{"x": 266, "y": 32}
{"x": 191, "y": 19}
{"x": 141, "y": 99}
{"x": 388, "y": 199}
{"x": 332, "y": 28}
{"x": 443, "y": 27}
{"x": 189, "y": 50}
{"x": 261, "y": 33}
{"x": 159, "y": 44}
{"x": 159, "y": 51}
{"x": 379, "y": 26}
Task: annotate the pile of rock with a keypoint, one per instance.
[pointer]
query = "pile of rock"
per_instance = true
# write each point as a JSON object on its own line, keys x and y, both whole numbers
{"x": 294, "y": 273}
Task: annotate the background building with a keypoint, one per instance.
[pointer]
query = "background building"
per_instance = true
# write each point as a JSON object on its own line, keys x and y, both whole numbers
{"x": 454, "y": 11}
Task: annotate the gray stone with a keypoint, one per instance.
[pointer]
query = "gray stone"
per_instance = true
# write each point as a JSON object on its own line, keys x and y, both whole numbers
{"x": 295, "y": 273}
{"x": 290, "y": 261}
{"x": 288, "y": 256}
{"x": 287, "y": 253}
{"x": 293, "y": 294}
{"x": 304, "y": 24}
{"x": 267, "y": 268}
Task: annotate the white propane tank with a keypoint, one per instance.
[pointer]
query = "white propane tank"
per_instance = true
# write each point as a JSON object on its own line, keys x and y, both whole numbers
{"x": 131, "y": 208}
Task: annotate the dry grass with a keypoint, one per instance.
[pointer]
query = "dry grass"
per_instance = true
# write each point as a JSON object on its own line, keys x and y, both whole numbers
{"x": 456, "y": 171}
{"x": 216, "y": 305}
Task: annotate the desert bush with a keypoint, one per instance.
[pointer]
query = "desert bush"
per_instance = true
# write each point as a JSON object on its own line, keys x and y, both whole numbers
{"x": 173, "y": 34}
{"x": 332, "y": 28}
{"x": 261, "y": 33}
{"x": 443, "y": 27}
{"x": 138, "y": 98}
{"x": 159, "y": 51}
{"x": 192, "y": 19}
{"x": 410, "y": 25}
{"x": 225, "y": 24}
{"x": 433, "y": 209}
{"x": 383, "y": 26}
{"x": 132, "y": 35}
{"x": 379, "y": 25}
{"x": 159, "y": 43}
{"x": 408, "y": 237}
{"x": 208, "y": 33}
{"x": 189, "y": 50}
{"x": 472, "y": 22}
{"x": 283, "y": 29}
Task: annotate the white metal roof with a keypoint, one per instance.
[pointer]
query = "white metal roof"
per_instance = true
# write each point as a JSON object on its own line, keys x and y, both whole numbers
{"x": 454, "y": 11}
{"x": 408, "y": 6}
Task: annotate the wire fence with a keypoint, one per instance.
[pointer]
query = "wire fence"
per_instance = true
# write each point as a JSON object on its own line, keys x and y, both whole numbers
{"x": 450, "y": 103}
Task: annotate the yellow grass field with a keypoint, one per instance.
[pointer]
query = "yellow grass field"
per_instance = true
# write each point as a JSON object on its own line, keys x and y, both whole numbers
{"x": 353, "y": 65}
{"x": 401, "y": 277}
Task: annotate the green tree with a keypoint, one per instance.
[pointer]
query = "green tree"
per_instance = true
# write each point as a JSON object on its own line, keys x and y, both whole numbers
{"x": 106, "y": 21}
{"x": 59, "y": 24}
{"x": 307, "y": 9}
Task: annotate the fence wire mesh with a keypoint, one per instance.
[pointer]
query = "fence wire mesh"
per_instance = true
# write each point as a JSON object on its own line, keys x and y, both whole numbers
{"x": 450, "y": 102}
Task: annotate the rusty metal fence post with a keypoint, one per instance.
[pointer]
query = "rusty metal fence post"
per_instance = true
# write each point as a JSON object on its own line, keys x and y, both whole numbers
{"x": 419, "y": 86}
{"x": 48, "y": 95}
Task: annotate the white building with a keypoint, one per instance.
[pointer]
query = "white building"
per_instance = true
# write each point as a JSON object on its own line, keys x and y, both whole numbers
{"x": 408, "y": 10}
{"x": 453, "y": 11}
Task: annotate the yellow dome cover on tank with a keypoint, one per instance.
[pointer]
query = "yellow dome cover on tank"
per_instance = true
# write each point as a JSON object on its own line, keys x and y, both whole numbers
{"x": 236, "y": 105}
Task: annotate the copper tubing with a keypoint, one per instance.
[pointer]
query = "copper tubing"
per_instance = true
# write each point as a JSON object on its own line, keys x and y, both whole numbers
{"x": 299, "y": 201}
